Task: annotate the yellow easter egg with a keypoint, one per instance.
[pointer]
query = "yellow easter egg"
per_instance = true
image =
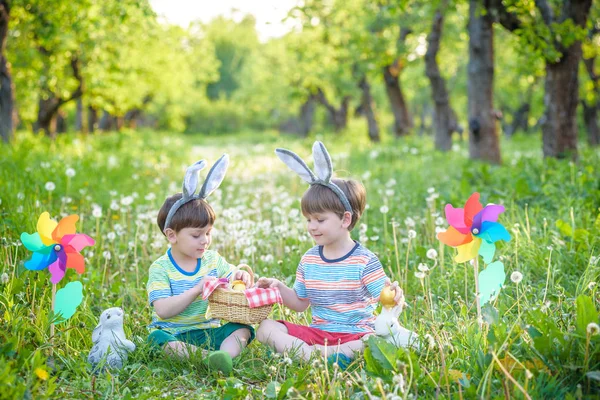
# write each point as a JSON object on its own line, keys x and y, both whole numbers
{"x": 238, "y": 285}
{"x": 387, "y": 297}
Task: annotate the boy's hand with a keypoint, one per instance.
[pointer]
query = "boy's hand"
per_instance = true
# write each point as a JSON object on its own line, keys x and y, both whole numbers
{"x": 200, "y": 285}
{"x": 243, "y": 276}
{"x": 265, "y": 283}
{"x": 399, "y": 294}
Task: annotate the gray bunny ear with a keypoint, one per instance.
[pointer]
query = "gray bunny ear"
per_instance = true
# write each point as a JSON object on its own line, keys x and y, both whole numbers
{"x": 323, "y": 165}
{"x": 215, "y": 177}
{"x": 190, "y": 182}
{"x": 296, "y": 164}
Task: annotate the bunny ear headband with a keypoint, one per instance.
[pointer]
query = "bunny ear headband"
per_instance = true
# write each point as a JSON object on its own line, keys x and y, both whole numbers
{"x": 323, "y": 170}
{"x": 190, "y": 183}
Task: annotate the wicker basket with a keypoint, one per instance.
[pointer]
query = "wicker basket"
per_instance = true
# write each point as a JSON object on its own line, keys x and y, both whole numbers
{"x": 231, "y": 305}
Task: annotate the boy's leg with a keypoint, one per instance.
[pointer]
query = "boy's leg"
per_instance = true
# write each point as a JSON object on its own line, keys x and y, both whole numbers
{"x": 231, "y": 338}
{"x": 171, "y": 345}
{"x": 275, "y": 334}
{"x": 236, "y": 342}
{"x": 348, "y": 349}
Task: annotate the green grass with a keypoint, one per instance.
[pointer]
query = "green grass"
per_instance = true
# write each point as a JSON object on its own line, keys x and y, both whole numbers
{"x": 539, "y": 337}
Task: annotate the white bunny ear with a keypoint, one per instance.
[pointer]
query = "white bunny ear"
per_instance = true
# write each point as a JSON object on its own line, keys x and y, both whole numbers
{"x": 296, "y": 164}
{"x": 323, "y": 165}
{"x": 190, "y": 182}
{"x": 215, "y": 177}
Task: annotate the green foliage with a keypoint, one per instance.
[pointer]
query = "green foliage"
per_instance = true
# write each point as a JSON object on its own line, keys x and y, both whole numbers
{"x": 538, "y": 329}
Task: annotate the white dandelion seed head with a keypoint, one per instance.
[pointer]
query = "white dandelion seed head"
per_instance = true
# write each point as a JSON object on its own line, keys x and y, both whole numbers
{"x": 432, "y": 254}
{"x": 516, "y": 277}
{"x": 50, "y": 186}
{"x": 70, "y": 172}
{"x": 412, "y": 234}
{"x": 593, "y": 329}
{"x": 423, "y": 267}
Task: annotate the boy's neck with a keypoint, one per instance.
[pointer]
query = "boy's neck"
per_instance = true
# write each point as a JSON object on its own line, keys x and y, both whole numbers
{"x": 339, "y": 248}
{"x": 184, "y": 262}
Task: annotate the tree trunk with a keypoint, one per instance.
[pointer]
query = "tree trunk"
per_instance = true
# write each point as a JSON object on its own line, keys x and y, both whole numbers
{"x": 307, "y": 114}
{"x": 483, "y": 137}
{"x": 49, "y": 103}
{"x": 391, "y": 78}
{"x": 47, "y": 108}
{"x": 92, "y": 119}
{"x": 590, "y": 111}
{"x": 107, "y": 122}
{"x": 559, "y": 132}
{"x": 6, "y": 84}
{"x": 61, "y": 122}
{"x": 444, "y": 118}
{"x": 367, "y": 107}
{"x": 339, "y": 117}
{"x": 79, "y": 125}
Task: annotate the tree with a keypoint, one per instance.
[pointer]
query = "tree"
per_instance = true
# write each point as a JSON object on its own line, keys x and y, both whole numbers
{"x": 555, "y": 31}
{"x": 6, "y": 85}
{"x": 444, "y": 117}
{"x": 483, "y": 137}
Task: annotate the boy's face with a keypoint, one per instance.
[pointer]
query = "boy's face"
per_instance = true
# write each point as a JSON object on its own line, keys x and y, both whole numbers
{"x": 192, "y": 242}
{"x": 327, "y": 228}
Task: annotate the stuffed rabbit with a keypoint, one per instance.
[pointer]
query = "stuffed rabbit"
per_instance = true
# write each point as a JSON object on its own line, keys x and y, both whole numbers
{"x": 109, "y": 339}
{"x": 388, "y": 327}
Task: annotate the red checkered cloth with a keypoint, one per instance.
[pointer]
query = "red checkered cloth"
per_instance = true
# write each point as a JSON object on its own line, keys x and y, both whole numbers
{"x": 256, "y": 296}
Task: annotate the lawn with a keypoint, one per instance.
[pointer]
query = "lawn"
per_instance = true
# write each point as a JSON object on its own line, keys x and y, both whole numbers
{"x": 536, "y": 339}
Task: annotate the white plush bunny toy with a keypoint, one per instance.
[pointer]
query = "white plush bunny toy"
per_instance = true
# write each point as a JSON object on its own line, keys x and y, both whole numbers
{"x": 109, "y": 339}
{"x": 388, "y": 327}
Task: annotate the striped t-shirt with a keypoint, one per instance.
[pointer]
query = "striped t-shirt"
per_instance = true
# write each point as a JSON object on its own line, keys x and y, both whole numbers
{"x": 342, "y": 292}
{"x": 167, "y": 279}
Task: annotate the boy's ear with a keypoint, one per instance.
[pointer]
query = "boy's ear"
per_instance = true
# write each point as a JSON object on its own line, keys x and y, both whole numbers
{"x": 346, "y": 219}
{"x": 171, "y": 235}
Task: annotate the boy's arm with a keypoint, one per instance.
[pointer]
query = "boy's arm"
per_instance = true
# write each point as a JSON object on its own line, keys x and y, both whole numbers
{"x": 169, "y": 307}
{"x": 290, "y": 297}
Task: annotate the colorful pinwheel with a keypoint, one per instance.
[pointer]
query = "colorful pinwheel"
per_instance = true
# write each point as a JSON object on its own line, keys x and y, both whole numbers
{"x": 473, "y": 229}
{"x": 56, "y": 246}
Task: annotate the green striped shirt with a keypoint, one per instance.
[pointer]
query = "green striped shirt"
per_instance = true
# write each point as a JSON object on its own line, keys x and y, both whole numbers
{"x": 166, "y": 279}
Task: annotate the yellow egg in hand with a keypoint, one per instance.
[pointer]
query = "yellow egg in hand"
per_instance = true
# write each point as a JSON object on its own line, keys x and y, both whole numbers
{"x": 387, "y": 297}
{"x": 238, "y": 285}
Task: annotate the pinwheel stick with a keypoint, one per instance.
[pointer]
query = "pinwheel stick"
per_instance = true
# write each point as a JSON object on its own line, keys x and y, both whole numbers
{"x": 479, "y": 318}
{"x": 52, "y": 324}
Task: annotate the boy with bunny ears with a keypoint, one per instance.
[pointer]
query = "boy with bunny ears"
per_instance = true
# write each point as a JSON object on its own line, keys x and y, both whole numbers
{"x": 176, "y": 279}
{"x": 339, "y": 278}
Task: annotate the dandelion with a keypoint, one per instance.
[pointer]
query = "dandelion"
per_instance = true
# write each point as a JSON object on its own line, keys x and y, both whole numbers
{"x": 127, "y": 200}
{"x": 97, "y": 212}
{"x": 41, "y": 373}
{"x": 70, "y": 172}
{"x": 107, "y": 255}
{"x": 150, "y": 196}
{"x": 593, "y": 329}
{"x": 4, "y": 278}
{"x": 111, "y": 236}
{"x": 384, "y": 209}
{"x": 423, "y": 267}
{"x": 516, "y": 277}
{"x": 432, "y": 254}
{"x": 412, "y": 234}
{"x": 431, "y": 190}
{"x": 591, "y": 285}
{"x": 420, "y": 275}
{"x": 50, "y": 186}
{"x": 409, "y": 222}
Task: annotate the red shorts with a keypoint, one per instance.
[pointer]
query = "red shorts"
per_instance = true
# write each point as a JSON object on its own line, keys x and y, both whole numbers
{"x": 313, "y": 336}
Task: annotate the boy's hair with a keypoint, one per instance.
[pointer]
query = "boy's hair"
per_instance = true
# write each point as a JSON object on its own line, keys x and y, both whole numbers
{"x": 194, "y": 214}
{"x": 318, "y": 199}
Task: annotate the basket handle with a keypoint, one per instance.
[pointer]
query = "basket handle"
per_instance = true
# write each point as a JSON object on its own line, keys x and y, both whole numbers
{"x": 249, "y": 270}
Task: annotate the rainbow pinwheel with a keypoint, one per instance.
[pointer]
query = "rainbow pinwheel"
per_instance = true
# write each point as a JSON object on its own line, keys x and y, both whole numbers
{"x": 474, "y": 230}
{"x": 56, "y": 246}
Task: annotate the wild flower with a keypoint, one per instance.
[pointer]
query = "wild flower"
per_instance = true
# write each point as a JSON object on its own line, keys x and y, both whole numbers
{"x": 593, "y": 329}
{"x": 516, "y": 277}
{"x": 70, "y": 172}
{"x": 50, "y": 186}
{"x": 432, "y": 254}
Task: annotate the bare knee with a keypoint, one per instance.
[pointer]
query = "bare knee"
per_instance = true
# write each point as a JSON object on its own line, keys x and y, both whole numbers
{"x": 242, "y": 334}
{"x": 267, "y": 328}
